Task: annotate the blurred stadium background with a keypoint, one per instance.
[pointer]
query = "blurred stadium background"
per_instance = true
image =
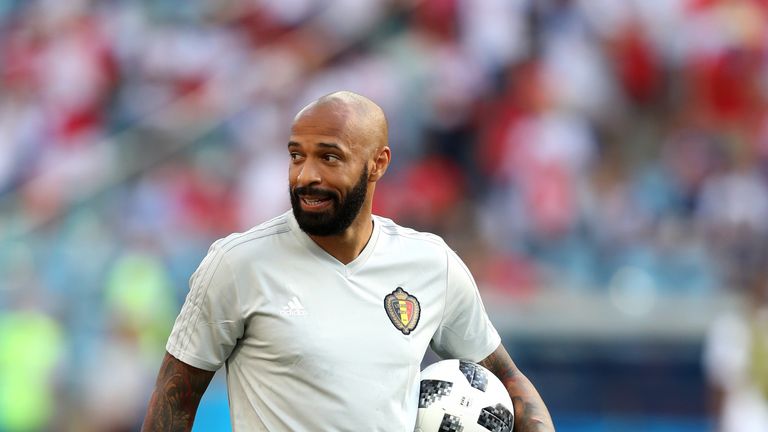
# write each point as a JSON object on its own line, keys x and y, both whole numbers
{"x": 601, "y": 165}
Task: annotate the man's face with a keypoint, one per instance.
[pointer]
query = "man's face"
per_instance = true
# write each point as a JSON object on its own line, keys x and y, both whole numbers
{"x": 328, "y": 180}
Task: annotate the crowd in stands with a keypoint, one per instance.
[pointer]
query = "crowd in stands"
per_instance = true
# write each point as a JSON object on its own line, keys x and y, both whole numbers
{"x": 553, "y": 143}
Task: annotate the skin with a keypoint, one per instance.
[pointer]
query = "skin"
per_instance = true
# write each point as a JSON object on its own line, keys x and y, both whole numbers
{"x": 332, "y": 140}
{"x": 177, "y": 394}
{"x": 531, "y": 414}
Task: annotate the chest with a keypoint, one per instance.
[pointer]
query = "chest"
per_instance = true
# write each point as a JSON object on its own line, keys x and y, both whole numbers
{"x": 313, "y": 316}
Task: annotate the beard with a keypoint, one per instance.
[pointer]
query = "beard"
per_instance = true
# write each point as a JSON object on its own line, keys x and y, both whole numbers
{"x": 341, "y": 214}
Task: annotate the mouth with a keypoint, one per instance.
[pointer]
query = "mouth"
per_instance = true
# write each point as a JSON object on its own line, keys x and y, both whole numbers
{"x": 314, "y": 203}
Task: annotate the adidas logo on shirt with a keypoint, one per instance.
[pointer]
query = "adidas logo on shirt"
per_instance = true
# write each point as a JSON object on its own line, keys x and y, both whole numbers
{"x": 294, "y": 308}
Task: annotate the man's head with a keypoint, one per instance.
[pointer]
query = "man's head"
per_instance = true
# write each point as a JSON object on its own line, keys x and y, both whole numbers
{"x": 338, "y": 149}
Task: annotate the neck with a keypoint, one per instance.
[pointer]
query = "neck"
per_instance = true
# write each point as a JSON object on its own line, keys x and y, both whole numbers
{"x": 346, "y": 246}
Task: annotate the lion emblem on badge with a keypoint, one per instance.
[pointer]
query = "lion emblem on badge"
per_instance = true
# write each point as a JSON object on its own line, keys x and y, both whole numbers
{"x": 403, "y": 310}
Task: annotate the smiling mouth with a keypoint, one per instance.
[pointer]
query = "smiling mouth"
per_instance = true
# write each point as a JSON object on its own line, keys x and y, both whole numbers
{"x": 314, "y": 203}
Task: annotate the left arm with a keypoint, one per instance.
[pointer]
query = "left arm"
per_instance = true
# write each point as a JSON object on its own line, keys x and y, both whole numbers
{"x": 531, "y": 414}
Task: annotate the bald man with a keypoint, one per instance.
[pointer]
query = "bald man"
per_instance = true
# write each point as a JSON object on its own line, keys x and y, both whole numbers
{"x": 323, "y": 314}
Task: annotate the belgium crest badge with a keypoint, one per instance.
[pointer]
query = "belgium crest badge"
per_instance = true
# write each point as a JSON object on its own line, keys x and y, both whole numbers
{"x": 403, "y": 310}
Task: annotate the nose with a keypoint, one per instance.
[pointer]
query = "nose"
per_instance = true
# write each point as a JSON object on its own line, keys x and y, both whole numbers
{"x": 308, "y": 175}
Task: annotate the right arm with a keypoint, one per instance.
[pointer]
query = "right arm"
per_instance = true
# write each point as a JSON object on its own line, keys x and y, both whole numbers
{"x": 177, "y": 394}
{"x": 206, "y": 331}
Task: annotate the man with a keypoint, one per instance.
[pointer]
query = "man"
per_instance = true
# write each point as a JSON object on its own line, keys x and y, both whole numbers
{"x": 323, "y": 315}
{"x": 735, "y": 358}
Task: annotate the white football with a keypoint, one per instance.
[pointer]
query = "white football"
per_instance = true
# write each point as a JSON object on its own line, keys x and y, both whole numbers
{"x": 462, "y": 396}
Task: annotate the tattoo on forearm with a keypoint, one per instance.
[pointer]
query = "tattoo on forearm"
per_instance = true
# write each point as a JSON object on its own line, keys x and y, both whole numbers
{"x": 502, "y": 370}
{"x": 531, "y": 415}
{"x": 177, "y": 394}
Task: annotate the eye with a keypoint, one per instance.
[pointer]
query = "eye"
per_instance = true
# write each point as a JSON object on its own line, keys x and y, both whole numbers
{"x": 294, "y": 156}
{"x": 330, "y": 157}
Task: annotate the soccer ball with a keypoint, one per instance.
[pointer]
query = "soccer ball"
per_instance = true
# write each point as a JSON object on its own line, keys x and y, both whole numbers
{"x": 462, "y": 396}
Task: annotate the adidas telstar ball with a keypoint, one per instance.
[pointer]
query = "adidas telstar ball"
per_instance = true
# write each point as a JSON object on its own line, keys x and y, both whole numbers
{"x": 462, "y": 396}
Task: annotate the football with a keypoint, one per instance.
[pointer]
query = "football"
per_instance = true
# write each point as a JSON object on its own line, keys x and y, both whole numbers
{"x": 462, "y": 396}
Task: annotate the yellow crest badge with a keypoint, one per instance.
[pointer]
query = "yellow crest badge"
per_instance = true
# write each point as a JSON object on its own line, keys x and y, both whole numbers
{"x": 403, "y": 310}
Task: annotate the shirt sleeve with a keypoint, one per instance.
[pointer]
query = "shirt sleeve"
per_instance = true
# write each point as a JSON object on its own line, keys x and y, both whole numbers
{"x": 465, "y": 332}
{"x": 210, "y": 322}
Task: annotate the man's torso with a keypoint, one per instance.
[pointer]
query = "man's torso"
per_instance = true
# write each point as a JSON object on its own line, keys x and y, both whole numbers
{"x": 333, "y": 341}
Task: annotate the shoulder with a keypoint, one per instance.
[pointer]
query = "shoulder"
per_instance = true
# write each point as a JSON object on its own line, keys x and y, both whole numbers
{"x": 262, "y": 238}
{"x": 411, "y": 237}
{"x": 424, "y": 247}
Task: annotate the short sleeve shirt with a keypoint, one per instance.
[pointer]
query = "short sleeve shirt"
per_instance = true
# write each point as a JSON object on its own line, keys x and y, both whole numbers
{"x": 312, "y": 344}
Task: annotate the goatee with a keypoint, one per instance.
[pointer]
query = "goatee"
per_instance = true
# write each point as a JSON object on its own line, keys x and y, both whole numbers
{"x": 341, "y": 214}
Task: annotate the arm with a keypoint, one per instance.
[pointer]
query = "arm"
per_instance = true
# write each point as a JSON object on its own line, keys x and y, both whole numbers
{"x": 531, "y": 415}
{"x": 177, "y": 394}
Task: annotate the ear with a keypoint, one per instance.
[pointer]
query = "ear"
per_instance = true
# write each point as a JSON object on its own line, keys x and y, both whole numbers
{"x": 380, "y": 164}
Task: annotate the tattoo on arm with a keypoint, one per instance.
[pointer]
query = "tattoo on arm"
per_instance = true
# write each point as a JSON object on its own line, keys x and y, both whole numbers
{"x": 531, "y": 414}
{"x": 177, "y": 395}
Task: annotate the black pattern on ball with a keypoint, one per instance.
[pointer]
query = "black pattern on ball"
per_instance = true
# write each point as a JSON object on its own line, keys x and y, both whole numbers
{"x": 496, "y": 419}
{"x": 450, "y": 424}
{"x": 475, "y": 375}
{"x": 432, "y": 390}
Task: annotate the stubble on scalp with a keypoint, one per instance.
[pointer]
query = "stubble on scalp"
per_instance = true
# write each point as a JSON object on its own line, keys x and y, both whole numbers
{"x": 365, "y": 124}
